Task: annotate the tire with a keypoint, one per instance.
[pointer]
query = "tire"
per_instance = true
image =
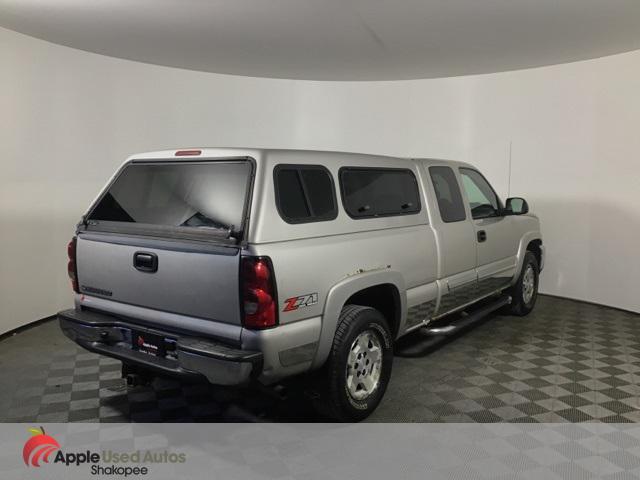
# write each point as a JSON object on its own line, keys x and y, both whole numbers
{"x": 525, "y": 291}
{"x": 355, "y": 384}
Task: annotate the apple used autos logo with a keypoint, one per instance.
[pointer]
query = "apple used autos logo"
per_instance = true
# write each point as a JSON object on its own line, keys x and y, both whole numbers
{"x": 38, "y": 447}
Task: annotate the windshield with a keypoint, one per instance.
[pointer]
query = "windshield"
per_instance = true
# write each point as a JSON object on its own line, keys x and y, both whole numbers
{"x": 201, "y": 196}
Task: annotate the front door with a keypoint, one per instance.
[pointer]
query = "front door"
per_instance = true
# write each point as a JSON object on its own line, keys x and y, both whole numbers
{"x": 496, "y": 239}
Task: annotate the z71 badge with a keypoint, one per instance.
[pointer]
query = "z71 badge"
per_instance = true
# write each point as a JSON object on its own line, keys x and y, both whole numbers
{"x": 294, "y": 303}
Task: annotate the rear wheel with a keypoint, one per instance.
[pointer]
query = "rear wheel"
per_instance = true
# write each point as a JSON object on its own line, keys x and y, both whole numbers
{"x": 525, "y": 291}
{"x": 359, "y": 365}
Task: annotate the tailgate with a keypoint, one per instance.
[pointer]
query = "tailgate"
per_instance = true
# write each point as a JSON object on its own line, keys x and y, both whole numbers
{"x": 187, "y": 279}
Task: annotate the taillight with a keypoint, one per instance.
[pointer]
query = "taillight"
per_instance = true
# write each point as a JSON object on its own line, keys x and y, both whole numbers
{"x": 259, "y": 300}
{"x": 72, "y": 268}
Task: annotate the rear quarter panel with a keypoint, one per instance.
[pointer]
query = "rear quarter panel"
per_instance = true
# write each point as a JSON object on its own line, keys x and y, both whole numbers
{"x": 315, "y": 265}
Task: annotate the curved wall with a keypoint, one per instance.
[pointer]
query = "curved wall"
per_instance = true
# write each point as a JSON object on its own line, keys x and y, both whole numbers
{"x": 68, "y": 118}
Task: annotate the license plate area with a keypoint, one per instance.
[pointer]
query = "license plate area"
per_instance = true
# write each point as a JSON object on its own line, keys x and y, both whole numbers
{"x": 148, "y": 343}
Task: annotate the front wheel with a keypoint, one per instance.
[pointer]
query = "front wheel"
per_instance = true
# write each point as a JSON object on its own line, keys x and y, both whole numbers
{"x": 525, "y": 292}
{"x": 359, "y": 365}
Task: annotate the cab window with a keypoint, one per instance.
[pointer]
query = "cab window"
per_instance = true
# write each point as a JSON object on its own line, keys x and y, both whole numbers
{"x": 448, "y": 194}
{"x": 483, "y": 201}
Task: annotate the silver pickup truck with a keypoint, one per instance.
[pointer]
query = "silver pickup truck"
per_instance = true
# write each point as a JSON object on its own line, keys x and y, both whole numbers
{"x": 242, "y": 265}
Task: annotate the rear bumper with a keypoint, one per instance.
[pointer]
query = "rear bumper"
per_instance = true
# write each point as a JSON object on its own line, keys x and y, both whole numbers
{"x": 188, "y": 356}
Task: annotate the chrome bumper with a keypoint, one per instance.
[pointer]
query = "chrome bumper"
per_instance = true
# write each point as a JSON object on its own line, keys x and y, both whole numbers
{"x": 186, "y": 357}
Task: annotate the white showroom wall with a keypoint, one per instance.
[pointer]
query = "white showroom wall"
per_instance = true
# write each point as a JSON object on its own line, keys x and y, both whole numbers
{"x": 575, "y": 151}
{"x": 68, "y": 118}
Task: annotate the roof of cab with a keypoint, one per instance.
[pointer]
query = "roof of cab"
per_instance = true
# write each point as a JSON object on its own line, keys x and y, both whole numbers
{"x": 192, "y": 153}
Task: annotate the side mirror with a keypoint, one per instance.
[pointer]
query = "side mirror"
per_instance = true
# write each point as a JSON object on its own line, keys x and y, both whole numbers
{"x": 516, "y": 206}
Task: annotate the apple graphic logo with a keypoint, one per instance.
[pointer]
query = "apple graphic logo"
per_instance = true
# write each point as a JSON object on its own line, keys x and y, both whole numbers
{"x": 39, "y": 447}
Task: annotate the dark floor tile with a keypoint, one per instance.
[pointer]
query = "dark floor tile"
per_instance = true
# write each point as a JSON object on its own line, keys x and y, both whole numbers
{"x": 615, "y": 419}
{"x": 574, "y": 400}
{"x": 84, "y": 394}
{"x": 58, "y": 388}
{"x": 574, "y": 415}
{"x": 617, "y": 407}
{"x": 531, "y": 408}
{"x": 84, "y": 415}
{"x": 533, "y": 394}
{"x": 54, "y": 407}
{"x": 485, "y": 416}
{"x": 536, "y": 382}
{"x": 575, "y": 387}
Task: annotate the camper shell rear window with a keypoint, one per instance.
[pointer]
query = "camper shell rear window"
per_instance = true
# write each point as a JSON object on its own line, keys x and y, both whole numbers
{"x": 189, "y": 198}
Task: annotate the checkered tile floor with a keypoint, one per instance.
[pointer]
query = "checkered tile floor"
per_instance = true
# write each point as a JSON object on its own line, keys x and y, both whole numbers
{"x": 566, "y": 362}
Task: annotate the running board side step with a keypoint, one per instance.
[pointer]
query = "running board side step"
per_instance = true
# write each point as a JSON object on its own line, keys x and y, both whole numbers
{"x": 426, "y": 339}
{"x": 469, "y": 319}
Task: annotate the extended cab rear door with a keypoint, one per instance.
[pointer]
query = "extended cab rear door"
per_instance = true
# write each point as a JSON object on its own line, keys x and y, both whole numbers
{"x": 455, "y": 235}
